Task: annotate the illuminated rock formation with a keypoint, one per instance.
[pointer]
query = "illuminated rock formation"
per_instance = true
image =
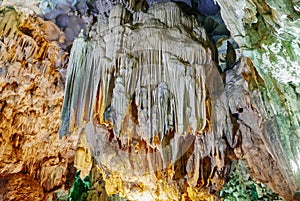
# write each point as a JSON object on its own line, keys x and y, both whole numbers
{"x": 156, "y": 112}
{"x": 34, "y": 163}
{"x": 149, "y": 112}
{"x": 137, "y": 82}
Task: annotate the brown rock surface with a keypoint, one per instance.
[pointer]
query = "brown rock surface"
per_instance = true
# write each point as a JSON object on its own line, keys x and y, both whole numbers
{"x": 20, "y": 187}
{"x": 34, "y": 162}
{"x": 258, "y": 132}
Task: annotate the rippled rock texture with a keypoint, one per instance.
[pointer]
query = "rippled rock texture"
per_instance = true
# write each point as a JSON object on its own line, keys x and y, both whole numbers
{"x": 146, "y": 112}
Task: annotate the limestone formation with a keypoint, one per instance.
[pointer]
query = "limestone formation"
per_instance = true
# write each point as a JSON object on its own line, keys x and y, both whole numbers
{"x": 131, "y": 82}
{"x": 152, "y": 102}
{"x": 34, "y": 162}
{"x": 156, "y": 112}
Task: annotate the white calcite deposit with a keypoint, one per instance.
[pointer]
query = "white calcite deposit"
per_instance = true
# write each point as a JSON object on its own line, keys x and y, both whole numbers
{"x": 147, "y": 95}
{"x": 148, "y": 81}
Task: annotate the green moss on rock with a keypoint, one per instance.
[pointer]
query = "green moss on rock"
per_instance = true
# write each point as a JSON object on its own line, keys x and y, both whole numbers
{"x": 242, "y": 187}
{"x": 80, "y": 188}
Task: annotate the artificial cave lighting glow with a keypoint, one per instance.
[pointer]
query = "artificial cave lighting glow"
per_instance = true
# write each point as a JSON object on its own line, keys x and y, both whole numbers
{"x": 155, "y": 99}
{"x": 159, "y": 104}
{"x": 143, "y": 196}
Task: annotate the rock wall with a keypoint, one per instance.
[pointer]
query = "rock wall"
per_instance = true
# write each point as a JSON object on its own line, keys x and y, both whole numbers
{"x": 35, "y": 164}
{"x": 268, "y": 31}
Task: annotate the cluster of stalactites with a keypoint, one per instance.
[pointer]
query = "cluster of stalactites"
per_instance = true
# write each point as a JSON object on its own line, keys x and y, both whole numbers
{"x": 142, "y": 93}
{"x": 22, "y": 41}
{"x": 159, "y": 84}
{"x": 149, "y": 92}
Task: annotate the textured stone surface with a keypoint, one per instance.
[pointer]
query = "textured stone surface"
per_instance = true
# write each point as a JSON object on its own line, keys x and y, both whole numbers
{"x": 20, "y": 187}
{"x": 275, "y": 25}
{"x": 241, "y": 186}
{"x": 34, "y": 162}
{"x": 136, "y": 90}
{"x": 143, "y": 99}
{"x": 261, "y": 143}
{"x": 237, "y": 123}
{"x": 268, "y": 32}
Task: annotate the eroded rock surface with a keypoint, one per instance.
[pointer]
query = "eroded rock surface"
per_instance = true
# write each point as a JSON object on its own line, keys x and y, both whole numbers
{"x": 268, "y": 32}
{"x": 258, "y": 128}
{"x": 34, "y": 162}
{"x": 20, "y": 187}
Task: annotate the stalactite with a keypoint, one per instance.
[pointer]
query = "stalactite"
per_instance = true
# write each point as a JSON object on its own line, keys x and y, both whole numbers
{"x": 145, "y": 105}
{"x": 34, "y": 163}
{"x": 152, "y": 95}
